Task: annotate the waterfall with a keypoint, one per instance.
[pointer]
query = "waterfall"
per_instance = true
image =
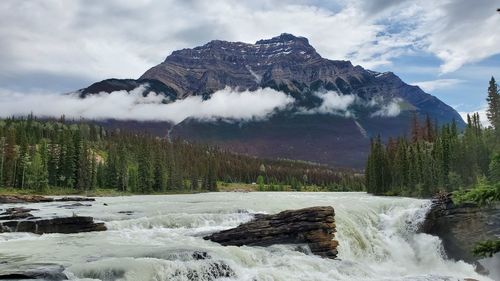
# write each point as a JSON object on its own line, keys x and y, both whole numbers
{"x": 157, "y": 236}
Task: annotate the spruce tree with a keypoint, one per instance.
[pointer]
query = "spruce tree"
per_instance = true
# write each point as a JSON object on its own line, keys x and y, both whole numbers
{"x": 494, "y": 169}
{"x": 493, "y": 111}
{"x": 2, "y": 159}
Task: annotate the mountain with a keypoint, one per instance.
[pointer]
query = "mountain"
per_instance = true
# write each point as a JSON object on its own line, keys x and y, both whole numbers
{"x": 289, "y": 64}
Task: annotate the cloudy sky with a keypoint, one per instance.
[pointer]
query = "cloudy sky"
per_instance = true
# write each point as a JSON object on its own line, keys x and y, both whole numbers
{"x": 449, "y": 48}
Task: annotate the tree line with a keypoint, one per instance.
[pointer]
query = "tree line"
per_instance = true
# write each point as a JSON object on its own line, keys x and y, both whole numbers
{"x": 433, "y": 159}
{"x": 42, "y": 154}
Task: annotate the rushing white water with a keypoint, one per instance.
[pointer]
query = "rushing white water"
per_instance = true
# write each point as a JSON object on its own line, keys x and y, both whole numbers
{"x": 377, "y": 235}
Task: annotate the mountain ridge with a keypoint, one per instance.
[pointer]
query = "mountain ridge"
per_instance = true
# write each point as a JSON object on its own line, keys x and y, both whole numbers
{"x": 289, "y": 64}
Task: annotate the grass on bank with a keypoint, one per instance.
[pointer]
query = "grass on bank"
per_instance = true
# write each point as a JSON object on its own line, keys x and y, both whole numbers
{"x": 99, "y": 192}
{"x": 221, "y": 186}
{"x": 247, "y": 187}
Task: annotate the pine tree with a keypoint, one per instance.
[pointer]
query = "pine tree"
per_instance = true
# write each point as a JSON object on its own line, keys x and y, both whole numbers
{"x": 43, "y": 175}
{"x": 194, "y": 182}
{"x": 10, "y": 159}
{"x": 210, "y": 179}
{"x": 494, "y": 168}
{"x": 145, "y": 172}
{"x": 84, "y": 168}
{"x": 428, "y": 129}
{"x": 260, "y": 183}
{"x": 493, "y": 111}
{"x": 2, "y": 159}
{"x": 415, "y": 129}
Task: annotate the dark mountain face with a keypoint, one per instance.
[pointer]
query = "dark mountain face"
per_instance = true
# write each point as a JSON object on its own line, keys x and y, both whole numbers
{"x": 288, "y": 64}
{"x": 112, "y": 85}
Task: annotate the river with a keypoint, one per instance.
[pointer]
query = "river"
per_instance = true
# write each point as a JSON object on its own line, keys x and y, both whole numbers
{"x": 377, "y": 235}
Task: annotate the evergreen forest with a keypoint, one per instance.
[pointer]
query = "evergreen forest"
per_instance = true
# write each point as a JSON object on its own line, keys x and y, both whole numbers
{"x": 40, "y": 155}
{"x": 436, "y": 159}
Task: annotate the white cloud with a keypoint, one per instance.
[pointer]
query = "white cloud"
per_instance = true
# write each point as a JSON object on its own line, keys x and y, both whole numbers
{"x": 482, "y": 115}
{"x": 332, "y": 101}
{"x": 432, "y": 85}
{"x": 122, "y": 105}
{"x": 343, "y": 105}
{"x": 391, "y": 109}
{"x": 102, "y": 39}
{"x": 227, "y": 104}
{"x": 457, "y": 32}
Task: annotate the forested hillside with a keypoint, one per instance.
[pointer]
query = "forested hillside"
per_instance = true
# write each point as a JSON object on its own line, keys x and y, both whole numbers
{"x": 436, "y": 159}
{"x": 39, "y": 155}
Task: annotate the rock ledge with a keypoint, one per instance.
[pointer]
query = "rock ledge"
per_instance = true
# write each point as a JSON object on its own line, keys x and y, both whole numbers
{"x": 313, "y": 226}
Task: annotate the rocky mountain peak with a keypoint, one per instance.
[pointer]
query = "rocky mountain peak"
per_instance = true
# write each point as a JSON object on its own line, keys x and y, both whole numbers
{"x": 286, "y": 40}
{"x": 311, "y": 129}
{"x": 205, "y": 69}
{"x": 282, "y": 38}
{"x": 263, "y": 52}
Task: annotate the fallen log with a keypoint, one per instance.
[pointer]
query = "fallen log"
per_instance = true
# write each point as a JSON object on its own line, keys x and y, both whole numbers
{"x": 313, "y": 226}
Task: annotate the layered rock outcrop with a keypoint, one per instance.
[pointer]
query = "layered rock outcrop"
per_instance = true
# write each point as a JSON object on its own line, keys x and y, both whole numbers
{"x": 20, "y": 219}
{"x": 52, "y": 272}
{"x": 313, "y": 226}
{"x": 460, "y": 227}
{"x": 14, "y": 199}
{"x": 74, "y": 224}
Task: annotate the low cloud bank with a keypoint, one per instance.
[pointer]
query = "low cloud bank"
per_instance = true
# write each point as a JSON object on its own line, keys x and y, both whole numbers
{"x": 391, "y": 109}
{"x": 226, "y": 104}
{"x": 123, "y": 105}
{"x": 345, "y": 105}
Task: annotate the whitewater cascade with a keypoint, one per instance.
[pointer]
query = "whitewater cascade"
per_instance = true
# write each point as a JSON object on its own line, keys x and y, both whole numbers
{"x": 154, "y": 238}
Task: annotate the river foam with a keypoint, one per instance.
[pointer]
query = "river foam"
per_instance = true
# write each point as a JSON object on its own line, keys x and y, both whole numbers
{"x": 153, "y": 238}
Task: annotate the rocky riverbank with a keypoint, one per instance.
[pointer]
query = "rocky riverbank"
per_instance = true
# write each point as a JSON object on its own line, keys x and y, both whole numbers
{"x": 460, "y": 227}
{"x": 20, "y": 219}
{"x": 313, "y": 226}
{"x": 15, "y": 199}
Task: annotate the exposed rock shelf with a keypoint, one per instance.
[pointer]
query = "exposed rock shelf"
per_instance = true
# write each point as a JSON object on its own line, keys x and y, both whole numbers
{"x": 460, "y": 227}
{"x": 52, "y": 272}
{"x": 12, "y": 199}
{"x": 313, "y": 226}
{"x": 20, "y": 219}
{"x": 74, "y": 224}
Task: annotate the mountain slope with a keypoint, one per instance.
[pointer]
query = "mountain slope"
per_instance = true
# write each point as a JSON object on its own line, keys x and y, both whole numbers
{"x": 381, "y": 102}
{"x": 285, "y": 63}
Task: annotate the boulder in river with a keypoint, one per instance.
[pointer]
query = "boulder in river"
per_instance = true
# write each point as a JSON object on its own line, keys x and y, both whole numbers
{"x": 77, "y": 198}
{"x": 74, "y": 205}
{"x": 313, "y": 226}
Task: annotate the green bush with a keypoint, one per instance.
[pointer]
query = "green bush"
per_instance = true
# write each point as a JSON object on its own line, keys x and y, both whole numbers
{"x": 486, "y": 248}
{"x": 482, "y": 194}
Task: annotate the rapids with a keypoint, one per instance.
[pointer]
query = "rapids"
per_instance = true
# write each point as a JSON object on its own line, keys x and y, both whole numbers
{"x": 377, "y": 235}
